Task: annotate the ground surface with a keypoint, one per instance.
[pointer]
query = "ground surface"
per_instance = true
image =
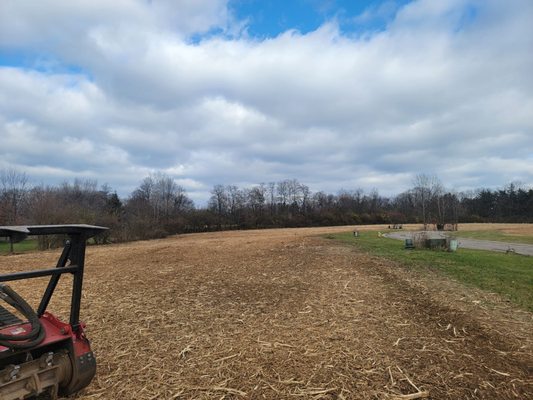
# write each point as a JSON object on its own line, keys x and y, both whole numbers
{"x": 510, "y": 229}
{"x": 467, "y": 243}
{"x": 283, "y": 314}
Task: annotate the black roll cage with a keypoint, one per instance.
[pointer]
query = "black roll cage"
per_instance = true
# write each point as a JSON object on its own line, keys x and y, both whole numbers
{"x": 73, "y": 251}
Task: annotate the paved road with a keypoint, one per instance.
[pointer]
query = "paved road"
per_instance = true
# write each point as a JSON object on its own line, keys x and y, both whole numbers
{"x": 519, "y": 248}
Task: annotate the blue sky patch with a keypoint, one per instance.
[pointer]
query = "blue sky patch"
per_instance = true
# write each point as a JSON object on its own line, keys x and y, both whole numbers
{"x": 39, "y": 62}
{"x": 272, "y": 17}
{"x": 468, "y": 17}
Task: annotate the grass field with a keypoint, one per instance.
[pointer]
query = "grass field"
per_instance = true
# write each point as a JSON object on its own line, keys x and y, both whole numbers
{"x": 509, "y": 275}
{"x": 21, "y": 247}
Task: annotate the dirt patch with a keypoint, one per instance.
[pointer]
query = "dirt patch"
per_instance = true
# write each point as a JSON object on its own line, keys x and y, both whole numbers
{"x": 282, "y": 314}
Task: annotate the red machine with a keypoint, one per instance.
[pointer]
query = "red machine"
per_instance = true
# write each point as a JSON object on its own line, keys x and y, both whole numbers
{"x": 38, "y": 352}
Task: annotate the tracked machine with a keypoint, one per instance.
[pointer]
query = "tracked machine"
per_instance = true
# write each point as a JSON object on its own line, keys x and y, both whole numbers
{"x": 39, "y": 353}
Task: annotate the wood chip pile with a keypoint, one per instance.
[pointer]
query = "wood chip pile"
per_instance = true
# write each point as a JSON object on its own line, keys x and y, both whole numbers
{"x": 283, "y": 315}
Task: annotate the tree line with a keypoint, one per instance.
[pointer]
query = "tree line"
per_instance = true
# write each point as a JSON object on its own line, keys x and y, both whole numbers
{"x": 159, "y": 206}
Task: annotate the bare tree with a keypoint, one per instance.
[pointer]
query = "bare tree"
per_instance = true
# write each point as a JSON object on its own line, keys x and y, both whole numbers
{"x": 219, "y": 202}
{"x": 428, "y": 192}
{"x": 437, "y": 192}
{"x": 182, "y": 202}
{"x": 256, "y": 198}
{"x": 282, "y": 189}
{"x": 13, "y": 193}
{"x": 306, "y": 194}
{"x": 156, "y": 207}
{"x": 422, "y": 192}
{"x": 271, "y": 191}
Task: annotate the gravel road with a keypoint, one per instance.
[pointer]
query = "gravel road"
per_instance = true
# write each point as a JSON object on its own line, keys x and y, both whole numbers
{"x": 519, "y": 248}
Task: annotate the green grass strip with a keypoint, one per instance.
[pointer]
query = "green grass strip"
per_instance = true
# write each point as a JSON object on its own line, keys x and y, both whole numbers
{"x": 510, "y": 275}
{"x": 20, "y": 247}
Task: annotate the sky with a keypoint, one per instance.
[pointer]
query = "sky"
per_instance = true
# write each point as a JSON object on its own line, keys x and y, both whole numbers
{"x": 337, "y": 94}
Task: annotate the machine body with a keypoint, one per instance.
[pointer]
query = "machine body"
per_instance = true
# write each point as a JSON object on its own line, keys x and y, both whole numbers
{"x": 38, "y": 352}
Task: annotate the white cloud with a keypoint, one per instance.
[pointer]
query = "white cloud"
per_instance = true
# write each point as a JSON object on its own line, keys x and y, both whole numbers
{"x": 60, "y": 23}
{"x": 445, "y": 89}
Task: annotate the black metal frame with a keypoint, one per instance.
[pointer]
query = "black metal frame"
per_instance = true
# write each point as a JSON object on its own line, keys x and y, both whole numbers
{"x": 74, "y": 250}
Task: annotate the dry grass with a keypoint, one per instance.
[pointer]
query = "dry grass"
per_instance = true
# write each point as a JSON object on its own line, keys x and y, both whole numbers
{"x": 282, "y": 314}
{"x": 512, "y": 229}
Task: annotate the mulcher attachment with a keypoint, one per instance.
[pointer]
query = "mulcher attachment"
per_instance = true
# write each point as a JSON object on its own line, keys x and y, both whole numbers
{"x": 39, "y": 353}
{"x": 6, "y": 318}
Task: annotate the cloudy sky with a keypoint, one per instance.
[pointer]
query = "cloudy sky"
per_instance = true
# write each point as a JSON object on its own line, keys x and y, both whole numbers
{"x": 337, "y": 94}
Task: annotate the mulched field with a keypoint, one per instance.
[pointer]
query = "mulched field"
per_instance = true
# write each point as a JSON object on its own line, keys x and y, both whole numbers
{"x": 284, "y": 314}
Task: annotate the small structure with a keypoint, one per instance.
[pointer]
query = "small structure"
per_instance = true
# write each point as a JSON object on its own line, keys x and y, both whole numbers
{"x": 453, "y": 245}
{"x": 444, "y": 227}
{"x": 436, "y": 243}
